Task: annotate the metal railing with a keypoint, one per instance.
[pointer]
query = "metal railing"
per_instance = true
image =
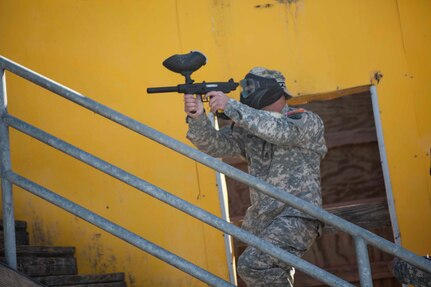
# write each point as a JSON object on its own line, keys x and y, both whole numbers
{"x": 362, "y": 236}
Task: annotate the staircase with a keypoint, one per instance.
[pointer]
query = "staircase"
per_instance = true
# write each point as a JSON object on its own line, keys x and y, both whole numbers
{"x": 50, "y": 266}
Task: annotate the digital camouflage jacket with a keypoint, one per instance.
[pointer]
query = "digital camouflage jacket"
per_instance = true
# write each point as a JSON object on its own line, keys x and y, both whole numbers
{"x": 284, "y": 150}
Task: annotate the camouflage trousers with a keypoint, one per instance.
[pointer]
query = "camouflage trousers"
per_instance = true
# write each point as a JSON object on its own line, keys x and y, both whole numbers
{"x": 293, "y": 234}
{"x": 409, "y": 274}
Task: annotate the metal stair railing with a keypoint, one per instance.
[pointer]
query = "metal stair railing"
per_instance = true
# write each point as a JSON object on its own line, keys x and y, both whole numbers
{"x": 361, "y": 236}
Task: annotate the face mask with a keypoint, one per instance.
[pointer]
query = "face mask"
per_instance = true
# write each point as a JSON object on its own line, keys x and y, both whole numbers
{"x": 252, "y": 83}
{"x": 258, "y": 92}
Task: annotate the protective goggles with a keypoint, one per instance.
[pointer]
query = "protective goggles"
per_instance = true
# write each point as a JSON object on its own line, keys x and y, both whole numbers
{"x": 251, "y": 83}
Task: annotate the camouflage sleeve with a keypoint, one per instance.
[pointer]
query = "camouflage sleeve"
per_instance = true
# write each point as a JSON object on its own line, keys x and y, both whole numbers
{"x": 224, "y": 142}
{"x": 274, "y": 127}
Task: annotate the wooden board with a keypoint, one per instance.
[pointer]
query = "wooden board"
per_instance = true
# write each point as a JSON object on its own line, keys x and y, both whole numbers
{"x": 81, "y": 279}
{"x": 300, "y": 100}
{"x": 21, "y": 237}
{"x": 21, "y": 234}
{"x": 44, "y": 266}
{"x": 42, "y": 251}
{"x": 336, "y": 253}
{"x": 351, "y": 173}
{"x": 337, "y": 249}
{"x": 351, "y": 137}
{"x": 379, "y": 271}
{"x": 350, "y": 113}
{"x": 111, "y": 284}
{"x": 369, "y": 213}
{"x": 19, "y": 224}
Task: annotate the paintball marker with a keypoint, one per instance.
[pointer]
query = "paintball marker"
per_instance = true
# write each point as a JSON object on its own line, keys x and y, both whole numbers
{"x": 186, "y": 64}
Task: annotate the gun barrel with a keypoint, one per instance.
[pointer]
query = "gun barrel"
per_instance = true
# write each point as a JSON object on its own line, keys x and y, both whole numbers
{"x": 173, "y": 89}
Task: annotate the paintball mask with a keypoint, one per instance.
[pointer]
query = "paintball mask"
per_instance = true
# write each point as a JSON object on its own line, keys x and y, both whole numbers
{"x": 262, "y": 87}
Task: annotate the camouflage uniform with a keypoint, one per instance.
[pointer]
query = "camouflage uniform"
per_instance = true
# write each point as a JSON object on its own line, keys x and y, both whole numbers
{"x": 284, "y": 150}
{"x": 409, "y": 274}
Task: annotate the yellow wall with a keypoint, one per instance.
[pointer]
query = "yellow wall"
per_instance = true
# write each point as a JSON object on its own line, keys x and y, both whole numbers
{"x": 112, "y": 51}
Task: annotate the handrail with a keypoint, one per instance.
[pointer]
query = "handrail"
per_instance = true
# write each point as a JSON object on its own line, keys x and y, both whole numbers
{"x": 361, "y": 235}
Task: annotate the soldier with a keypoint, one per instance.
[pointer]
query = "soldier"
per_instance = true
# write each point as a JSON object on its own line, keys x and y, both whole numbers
{"x": 409, "y": 274}
{"x": 284, "y": 147}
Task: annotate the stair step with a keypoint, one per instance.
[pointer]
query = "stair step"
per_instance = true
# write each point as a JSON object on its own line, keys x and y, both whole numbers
{"x": 114, "y": 279}
{"x": 42, "y": 251}
{"x": 53, "y": 266}
{"x": 44, "y": 266}
{"x": 18, "y": 224}
{"x": 21, "y": 233}
{"x": 21, "y": 237}
{"x": 112, "y": 284}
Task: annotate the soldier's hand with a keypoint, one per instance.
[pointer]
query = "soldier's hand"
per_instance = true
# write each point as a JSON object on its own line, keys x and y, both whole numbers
{"x": 217, "y": 100}
{"x": 193, "y": 106}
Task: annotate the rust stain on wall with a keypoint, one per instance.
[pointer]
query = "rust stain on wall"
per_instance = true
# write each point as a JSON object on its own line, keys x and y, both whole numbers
{"x": 41, "y": 233}
{"x": 132, "y": 279}
{"x": 100, "y": 259}
{"x": 287, "y": 1}
{"x": 267, "y": 5}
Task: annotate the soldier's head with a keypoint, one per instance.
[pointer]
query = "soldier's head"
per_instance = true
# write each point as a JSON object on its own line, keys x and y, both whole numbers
{"x": 262, "y": 87}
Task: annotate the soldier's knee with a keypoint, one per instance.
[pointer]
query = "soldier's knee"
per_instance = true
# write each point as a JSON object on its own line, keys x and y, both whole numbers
{"x": 409, "y": 274}
{"x": 244, "y": 267}
{"x": 243, "y": 271}
{"x": 263, "y": 273}
{"x": 250, "y": 265}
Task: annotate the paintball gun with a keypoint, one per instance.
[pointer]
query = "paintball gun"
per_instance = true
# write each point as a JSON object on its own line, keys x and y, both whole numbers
{"x": 186, "y": 64}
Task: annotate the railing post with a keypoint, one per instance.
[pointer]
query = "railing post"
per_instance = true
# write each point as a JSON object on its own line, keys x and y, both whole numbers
{"x": 6, "y": 185}
{"x": 363, "y": 262}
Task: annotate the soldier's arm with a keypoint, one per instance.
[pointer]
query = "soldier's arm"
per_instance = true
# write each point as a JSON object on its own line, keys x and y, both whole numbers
{"x": 224, "y": 142}
{"x": 275, "y": 128}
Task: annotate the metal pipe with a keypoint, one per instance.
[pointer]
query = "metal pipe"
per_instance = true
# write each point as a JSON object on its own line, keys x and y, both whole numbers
{"x": 209, "y": 161}
{"x": 224, "y": 206}
{"x": 384, "y": 162}
{"x": 364, "y": 268}
{"x": 117, "y": 230}
{"x": 222, "y": 192}
{"x": 6, "y": 186}
{"x": 177, "y": 202}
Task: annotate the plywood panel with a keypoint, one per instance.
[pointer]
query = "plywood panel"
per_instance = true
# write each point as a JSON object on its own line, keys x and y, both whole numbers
{"x": 352, "y": 112}
{"x": 352, "y": 172}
